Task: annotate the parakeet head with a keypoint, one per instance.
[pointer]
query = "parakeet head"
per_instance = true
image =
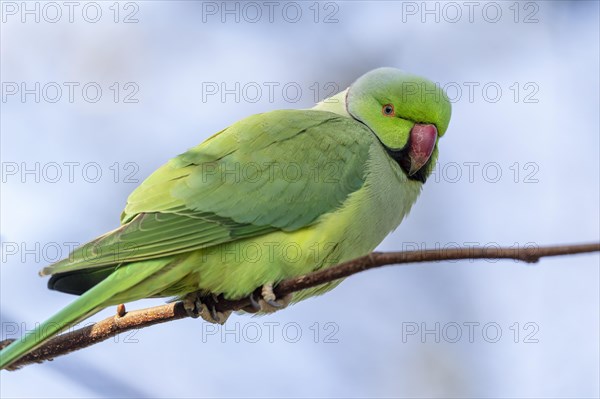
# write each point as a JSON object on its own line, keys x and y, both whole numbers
{"x": 407, "y": 113}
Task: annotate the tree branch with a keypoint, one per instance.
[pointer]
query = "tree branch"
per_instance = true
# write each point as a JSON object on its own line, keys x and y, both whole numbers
{"x": 125, "y": 321}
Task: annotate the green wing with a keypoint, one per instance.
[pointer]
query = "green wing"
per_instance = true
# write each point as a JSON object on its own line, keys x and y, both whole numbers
{"x": 280, "y": 170}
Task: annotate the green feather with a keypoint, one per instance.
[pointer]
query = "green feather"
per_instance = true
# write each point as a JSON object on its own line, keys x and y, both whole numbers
{"x": 273, "y": 196}
{"x": 116, "y": 286}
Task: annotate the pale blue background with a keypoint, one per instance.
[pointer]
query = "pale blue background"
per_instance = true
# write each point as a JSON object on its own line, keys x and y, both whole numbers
{"x": 170, "y": 52}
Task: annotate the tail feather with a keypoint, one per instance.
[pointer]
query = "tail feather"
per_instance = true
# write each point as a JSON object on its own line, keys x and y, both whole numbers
{"x": 110, "y": 291}
{"x": 82, "y": 308}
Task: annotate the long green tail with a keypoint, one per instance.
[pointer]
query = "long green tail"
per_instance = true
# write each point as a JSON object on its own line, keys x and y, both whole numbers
{"x": 117, "y": 288}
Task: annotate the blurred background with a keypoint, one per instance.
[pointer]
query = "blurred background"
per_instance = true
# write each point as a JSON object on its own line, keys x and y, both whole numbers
{"x": 95, "y": 96}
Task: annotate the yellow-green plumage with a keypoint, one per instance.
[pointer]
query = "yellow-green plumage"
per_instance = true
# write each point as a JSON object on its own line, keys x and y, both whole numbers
{"x": 273, "y": 196}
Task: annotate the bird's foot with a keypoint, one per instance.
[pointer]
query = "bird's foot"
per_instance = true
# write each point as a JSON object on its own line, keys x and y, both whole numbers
{"x": 197, "y": 305}
{"x": 268, "y": 302}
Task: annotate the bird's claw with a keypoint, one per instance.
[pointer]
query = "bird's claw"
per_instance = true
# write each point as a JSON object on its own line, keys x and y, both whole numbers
{"x": 269, "y": 297}
{"x": 268, "y": 302}
{"x": 197, "y": 305}
{"x": 254, "y": 303}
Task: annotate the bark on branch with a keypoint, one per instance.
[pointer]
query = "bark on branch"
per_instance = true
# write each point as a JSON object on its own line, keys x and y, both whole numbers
{"x": 124, "y": 321}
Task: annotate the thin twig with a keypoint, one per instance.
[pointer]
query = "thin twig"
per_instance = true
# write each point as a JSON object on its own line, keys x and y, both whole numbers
{"x": 124, "y": 321}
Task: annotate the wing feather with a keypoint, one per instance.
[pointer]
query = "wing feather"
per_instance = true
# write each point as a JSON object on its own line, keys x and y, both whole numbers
{"x": 276, "y": 171}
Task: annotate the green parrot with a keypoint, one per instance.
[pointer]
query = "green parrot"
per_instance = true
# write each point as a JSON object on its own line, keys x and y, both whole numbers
{"x": 273, "y": 196}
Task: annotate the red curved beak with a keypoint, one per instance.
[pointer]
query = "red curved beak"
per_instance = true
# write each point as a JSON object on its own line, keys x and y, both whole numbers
{"x": 422, "y": 143}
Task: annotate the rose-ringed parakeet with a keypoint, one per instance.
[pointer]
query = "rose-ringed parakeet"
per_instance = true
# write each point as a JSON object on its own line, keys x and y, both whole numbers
{"x": 273, "y": 196}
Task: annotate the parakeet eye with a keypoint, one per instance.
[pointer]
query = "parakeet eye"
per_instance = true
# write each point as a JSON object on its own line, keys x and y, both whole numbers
{"x": 388, "y": 110}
